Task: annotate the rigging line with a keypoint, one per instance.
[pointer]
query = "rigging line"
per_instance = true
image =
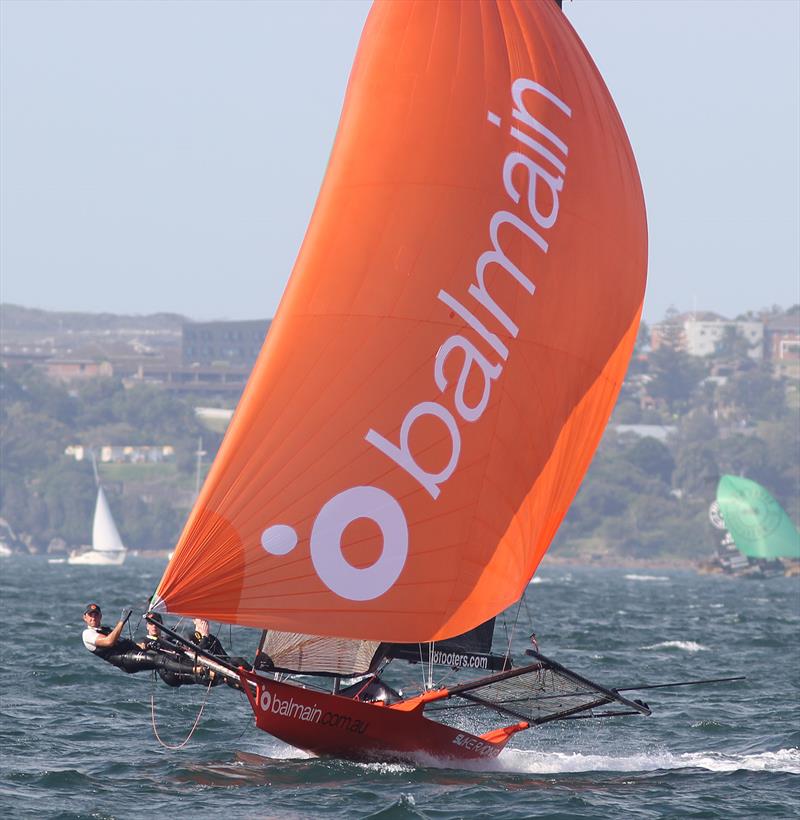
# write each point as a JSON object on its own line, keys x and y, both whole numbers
{"x": 243, "y": 698}
{"x": 504, "y": 622}
{"x": 513, "y": 628}
{"x": 450, "y": 671}
{"x": 191, "y": 731}
{"x": 219, "y": 629}
{"x": 421, "y": 665}
{"x": 131, "y": 631}
{"x": 528, "y": 612}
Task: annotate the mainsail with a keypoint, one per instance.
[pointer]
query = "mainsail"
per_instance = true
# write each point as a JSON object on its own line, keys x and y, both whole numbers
{"x": 757, "y": 523}
{"x": 105, "y": 535}
{"x": 315, "y": 654}
{"x": 448, "y": 349}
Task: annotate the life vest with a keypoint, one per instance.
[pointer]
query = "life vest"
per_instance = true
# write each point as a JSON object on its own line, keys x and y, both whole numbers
{"x": 104, "y": 651}
{"x": 107, "y": 653}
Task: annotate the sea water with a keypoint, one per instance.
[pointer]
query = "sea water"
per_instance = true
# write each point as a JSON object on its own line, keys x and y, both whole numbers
{"x": 78, "y": 737}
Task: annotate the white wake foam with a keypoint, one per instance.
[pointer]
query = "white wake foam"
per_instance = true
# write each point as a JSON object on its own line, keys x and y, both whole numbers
{"x": 526, "y": 761}
{"x": 520, "y": 760}
{"x": 686, "y": 646}
{"x": 274, "y": 749}
{"x": 387, "y": 768}
{"x": 646, "y": 578}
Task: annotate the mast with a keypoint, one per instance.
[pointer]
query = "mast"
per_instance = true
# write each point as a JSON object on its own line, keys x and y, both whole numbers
{"x": 199, "y": 453}
{"x": 94, "y": 469}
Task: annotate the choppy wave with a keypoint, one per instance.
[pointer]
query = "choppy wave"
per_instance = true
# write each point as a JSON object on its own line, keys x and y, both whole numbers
{"x": 634, "y": 577}
{"x": 686, "y": 646}
{"x": 517, "y": 760}
{"x": 709, "y": 749}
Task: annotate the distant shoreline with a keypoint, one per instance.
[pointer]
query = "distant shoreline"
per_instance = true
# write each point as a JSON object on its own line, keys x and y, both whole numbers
{"x": 621, "y": 562}
{"x": 549, "y": 560}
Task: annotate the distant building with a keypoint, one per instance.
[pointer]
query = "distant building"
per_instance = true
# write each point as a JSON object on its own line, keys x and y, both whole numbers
{"x": 124, "y": 454}
{"x": 69, "y": 370}
{"x": 214, "y": 343}
{"x": 226, "y": 381}
{"x": 699, "y": 334}
{"x": 19, "y": 360}
{"x": 669, "y": 333}
{"x": 219, "y": 414}
{"x": 703, "y": 337}
{"x": 207, "y": 359}
{"x": 782, "y": 338}
{"x": 660, "y": 432}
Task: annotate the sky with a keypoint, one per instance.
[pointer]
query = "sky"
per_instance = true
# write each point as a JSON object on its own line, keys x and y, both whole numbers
{"x": 166, "y": 156}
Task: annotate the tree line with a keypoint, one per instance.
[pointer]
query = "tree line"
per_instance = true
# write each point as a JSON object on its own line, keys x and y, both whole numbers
{"x": 45, "y": 494}
{"x": 642, "y": 496}
{"x": 647, "y": 497}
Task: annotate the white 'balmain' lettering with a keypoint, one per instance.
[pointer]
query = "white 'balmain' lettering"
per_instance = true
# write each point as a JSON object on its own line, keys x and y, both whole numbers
{"x": 545, "y": 167}
{"x": 481, "y": 310}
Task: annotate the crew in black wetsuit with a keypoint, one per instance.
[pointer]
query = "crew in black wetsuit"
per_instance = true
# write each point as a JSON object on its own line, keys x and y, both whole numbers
{"x": 210, "y": 643}
{"x": 124, "y": 654}
{"x": 205, "y": 640}
{"x": 154, "y": 642}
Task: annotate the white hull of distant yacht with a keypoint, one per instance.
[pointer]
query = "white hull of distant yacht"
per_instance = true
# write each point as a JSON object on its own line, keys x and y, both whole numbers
{"x": 97, "y": 558}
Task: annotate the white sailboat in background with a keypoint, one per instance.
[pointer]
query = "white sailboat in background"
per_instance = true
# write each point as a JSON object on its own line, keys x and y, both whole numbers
{"x": 108, "y": 548}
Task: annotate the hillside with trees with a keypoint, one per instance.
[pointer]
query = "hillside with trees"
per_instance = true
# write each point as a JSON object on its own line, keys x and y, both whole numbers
{"x": 46, "y": 494}
{"x": 649, "y": 498}
{"x": 681, "y": 422}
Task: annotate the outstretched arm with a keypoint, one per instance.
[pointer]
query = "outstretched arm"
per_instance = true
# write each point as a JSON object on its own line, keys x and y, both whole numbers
{"x": 105, "y": 641}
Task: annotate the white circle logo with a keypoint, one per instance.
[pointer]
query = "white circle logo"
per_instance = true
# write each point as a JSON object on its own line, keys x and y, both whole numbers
{"x": 279, "y": 539}
{"x": 333, "y": 568}
{"x": 265, "y": 700}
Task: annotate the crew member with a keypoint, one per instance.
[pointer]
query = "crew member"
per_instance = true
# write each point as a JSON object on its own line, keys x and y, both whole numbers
{"x": 205, "y": 640}
{"x": 108, "y": 644}
{"x": 210, "y": 643}
{"x": 534, "y": 651}
{"x": 154, "y": 642}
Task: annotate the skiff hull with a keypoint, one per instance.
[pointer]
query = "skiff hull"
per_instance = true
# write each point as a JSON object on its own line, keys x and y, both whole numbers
{"x": 329, "y": 725}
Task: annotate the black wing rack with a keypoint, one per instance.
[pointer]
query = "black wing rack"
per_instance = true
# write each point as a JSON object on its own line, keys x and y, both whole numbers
{"x": 542, "y": 692}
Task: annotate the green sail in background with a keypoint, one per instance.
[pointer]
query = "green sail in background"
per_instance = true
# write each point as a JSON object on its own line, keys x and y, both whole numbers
{"x": 758, "y": 524}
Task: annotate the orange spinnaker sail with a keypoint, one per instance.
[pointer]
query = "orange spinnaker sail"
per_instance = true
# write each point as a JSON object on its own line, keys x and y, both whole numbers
{"x": 450, "y": 344}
